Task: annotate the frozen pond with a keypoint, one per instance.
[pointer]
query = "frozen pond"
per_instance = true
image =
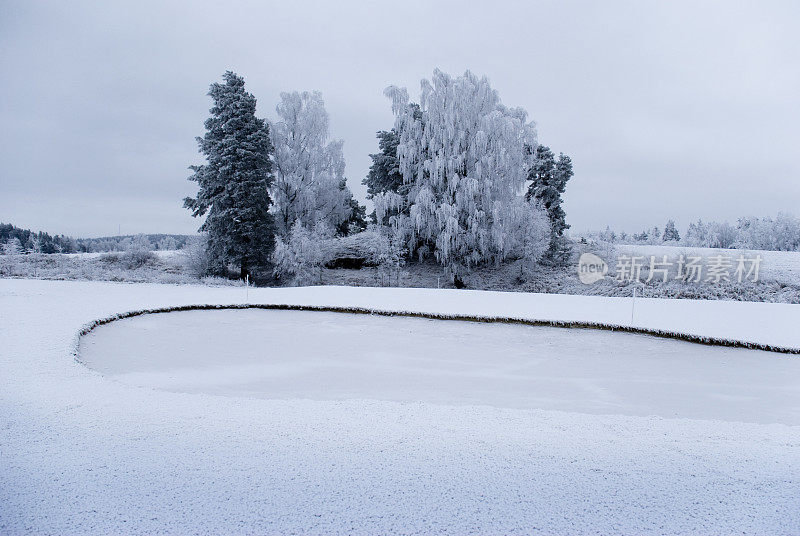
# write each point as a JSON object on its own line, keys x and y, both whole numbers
{"x": 334, "y": 356}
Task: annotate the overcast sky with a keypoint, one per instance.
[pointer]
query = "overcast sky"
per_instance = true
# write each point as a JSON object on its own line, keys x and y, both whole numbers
{"x": 668, "y": 110}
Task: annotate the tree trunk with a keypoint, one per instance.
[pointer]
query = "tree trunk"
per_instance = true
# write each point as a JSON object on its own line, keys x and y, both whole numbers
{"x": 243, "y": 269}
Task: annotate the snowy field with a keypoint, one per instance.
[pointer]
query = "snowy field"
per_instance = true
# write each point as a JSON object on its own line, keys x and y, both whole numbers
{"x": 87, "y": 451}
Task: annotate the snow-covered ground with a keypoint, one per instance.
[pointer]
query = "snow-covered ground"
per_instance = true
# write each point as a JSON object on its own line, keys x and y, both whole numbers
{"x": 82, "y": 453}
{"x": 350, "y": 356}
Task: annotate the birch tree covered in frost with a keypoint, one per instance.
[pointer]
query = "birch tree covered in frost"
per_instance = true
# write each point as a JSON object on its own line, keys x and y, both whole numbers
{"x": 309, "y": 182}
{"x": 464, "y": 160}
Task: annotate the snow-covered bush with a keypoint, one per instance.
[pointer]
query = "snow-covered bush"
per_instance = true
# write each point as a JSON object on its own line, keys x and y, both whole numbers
{"x": 464, "y": 158}
{"x": 368, "y": 248}
{"x": 138, "y": 252}
{"x": 300, "y": 255}
{"x": 522, "y": 230}
{"x": 391, "y": 257}
{"x": 306, "y": 253}
{"x": 194, "y": 255}
{"x": 12, "y": 247}
{"x": 106, "y": 267}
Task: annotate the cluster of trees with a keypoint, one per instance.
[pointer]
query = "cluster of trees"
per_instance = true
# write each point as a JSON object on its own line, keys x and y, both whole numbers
{"x": 17, "y": 240}
{"x": 459, "y": 177}
{"x": 648, "y": 236}
{"x": 149, "y": 242}
{"x": 262, "y": 181}
{"x": 462, "y": 177}
{"x": 779, "y": 234}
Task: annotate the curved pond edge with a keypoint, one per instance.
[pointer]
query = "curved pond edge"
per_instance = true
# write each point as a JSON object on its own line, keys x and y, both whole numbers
{"x": 697, "y": 339}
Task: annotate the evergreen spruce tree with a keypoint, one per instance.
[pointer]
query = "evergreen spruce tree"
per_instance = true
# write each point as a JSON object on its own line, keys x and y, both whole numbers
{"x": 655, "y": 234}
{"x": 384, "y": 173}
{"x": 234, "y": 183}
{"x": 671, "y": 232}
{"x": 356, "y": 222}
{"x": 549, "y": 178}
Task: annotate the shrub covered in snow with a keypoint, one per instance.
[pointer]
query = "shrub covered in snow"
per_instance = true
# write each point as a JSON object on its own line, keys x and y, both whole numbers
{"x": 114, "y": 266}
{"x": 300, "y": 254}
{"x": 194, "y": 255}
{"x": 305, "y": 253}
{"x": 12, "y": 247}
{"x": 368, "y": 248}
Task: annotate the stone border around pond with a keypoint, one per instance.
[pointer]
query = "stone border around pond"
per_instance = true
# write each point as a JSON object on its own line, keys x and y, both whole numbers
{"x": 698, "y": 339}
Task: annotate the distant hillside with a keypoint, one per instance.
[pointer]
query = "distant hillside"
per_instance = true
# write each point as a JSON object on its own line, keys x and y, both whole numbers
{"x": 27, "y": 241}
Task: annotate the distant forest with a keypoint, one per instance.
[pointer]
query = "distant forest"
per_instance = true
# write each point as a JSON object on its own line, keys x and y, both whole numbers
{"x": 27, "y": 241}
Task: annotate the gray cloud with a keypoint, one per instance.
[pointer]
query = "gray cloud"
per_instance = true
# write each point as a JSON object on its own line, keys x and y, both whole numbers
{"x": 669, "y": 110}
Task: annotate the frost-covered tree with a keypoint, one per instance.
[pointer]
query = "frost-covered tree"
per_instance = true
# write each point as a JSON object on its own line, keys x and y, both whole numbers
{"x": 696, "y": 234}
{"x": 12, "y": 247}
{"x": 671, "y": 232}
{"x": 655, "y": 234}
{"x": 462, "y": 155}
{"x": 608, "y": 235}
{"x": 780, "y": 234}
{"x": 234, "y": 182}
{"x": 711, "y": 235}
{"x": 40, "y": 242}
{"x": 549, "y": 177}
{"x": 309, "y": 182}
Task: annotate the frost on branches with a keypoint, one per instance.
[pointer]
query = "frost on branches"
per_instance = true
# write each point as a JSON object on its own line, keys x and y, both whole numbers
{"x": 309, "y": 184}
{"x": 304, "y": 253}
{"x": 465, "y": 160}
{"x": 300, "y": 254}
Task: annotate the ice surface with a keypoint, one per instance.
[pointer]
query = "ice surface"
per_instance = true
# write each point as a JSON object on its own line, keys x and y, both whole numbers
{"x": 336, "y": 356}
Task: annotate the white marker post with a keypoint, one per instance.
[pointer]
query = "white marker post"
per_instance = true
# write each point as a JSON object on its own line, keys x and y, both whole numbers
{"x": 247, "y": 288}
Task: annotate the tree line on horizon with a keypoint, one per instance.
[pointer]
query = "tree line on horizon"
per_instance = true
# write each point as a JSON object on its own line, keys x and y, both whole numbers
{"x": 781, "y": 233}
{"x": 16, "y": 240}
